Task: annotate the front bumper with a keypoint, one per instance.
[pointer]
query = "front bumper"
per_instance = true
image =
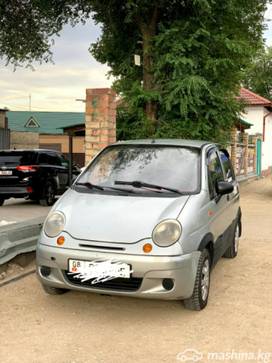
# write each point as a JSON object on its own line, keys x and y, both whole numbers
{"x": 13, "y": 191}
{"x": 151, "y": 269}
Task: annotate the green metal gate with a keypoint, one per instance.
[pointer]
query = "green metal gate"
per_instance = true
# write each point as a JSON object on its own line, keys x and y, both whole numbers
{"x": 259, "y": 157}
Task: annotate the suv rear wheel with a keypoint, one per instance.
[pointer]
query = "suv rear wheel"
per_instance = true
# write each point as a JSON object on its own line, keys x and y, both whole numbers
{"x": 200, "y": 296}
{"x": 49, "y": 195}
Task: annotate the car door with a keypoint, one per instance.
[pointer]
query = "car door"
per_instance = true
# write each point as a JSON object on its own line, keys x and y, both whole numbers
{"x": 232, "y": 198}
{"x": 218, "y": 205}
{"x": 64, "y": 170}
{"x": 61, "y": 170}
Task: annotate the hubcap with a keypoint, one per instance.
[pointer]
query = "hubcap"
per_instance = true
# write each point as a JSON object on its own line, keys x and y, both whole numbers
{"x": 50, "y": 194}
{"x": 236, "y": 239}
{"x": 205, "y": 280}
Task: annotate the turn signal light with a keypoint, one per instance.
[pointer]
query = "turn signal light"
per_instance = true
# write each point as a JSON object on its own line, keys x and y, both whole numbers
{"x": 60, "y": 240}
{"x": 147, "y": 247}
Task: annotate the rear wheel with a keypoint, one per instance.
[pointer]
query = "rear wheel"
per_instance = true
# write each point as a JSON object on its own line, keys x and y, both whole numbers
{"x": 49, "y": 195}
{"x": 232, "y": 251}
{"x": 54, "y": 290}
{"x": 2, "y": 201}
{"x": 200, "y": 296}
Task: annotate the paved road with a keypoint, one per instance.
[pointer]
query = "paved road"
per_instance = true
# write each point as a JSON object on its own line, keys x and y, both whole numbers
{"x": 16, "y": 210}
{"x": 83, "y": 327}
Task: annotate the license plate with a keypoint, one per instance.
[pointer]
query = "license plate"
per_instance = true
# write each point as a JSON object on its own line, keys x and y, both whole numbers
{"x": 99, "y": 271}
{"x": 5, "y": 172}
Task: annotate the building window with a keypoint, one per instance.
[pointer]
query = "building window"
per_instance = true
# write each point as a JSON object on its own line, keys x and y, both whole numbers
{"x": 31, "y": 123}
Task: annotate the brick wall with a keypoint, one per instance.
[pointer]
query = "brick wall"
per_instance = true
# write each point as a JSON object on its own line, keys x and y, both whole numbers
{"x": 3, "y": 124}
{"x": 100, "y": 119}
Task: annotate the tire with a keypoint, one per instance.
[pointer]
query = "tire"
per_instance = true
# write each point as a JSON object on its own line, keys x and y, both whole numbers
{"x": 49, "y": 195}
{"x": 199, "y": 299}
{"x": 2, "y": 201}
{"x": 54, "y": 290}
{"x": 232, "y": 251}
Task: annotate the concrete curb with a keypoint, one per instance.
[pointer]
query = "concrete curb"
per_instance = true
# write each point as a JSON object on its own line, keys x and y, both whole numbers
{"x": 17, "y": 277}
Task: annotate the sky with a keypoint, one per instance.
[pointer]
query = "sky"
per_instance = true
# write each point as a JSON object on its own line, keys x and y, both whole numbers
{"x": 55, "y": 87}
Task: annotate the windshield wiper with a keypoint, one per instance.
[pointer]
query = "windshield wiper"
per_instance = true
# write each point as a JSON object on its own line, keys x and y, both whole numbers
{"x": 139, "y": 184}
{"x": 121, "y": 189}
{"x": 99, "y": 187}
{"x": 90, "y": 185}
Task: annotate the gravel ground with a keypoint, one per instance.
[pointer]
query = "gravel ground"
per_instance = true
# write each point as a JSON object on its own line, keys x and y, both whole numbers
{"x": 84, "y": 327}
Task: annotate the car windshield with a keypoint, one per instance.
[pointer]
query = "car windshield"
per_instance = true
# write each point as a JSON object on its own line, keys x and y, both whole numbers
{"x": 14, "y": 158}
{"x": 144, "y": 169}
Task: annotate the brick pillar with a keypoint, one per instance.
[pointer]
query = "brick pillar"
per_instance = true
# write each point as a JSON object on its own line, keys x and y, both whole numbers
{"x": 2, "y": 119}
{"x": 233, "y": 147}
{"x": 245, "y": 145}
{"x": 100, "y": 120}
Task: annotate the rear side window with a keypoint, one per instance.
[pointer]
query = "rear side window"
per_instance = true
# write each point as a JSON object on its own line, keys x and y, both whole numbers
{"x": 227, "y": 166}
{"x": 14, "y": 158}
{"x": 49, "y": 159}
{"x": 215, "y": 172}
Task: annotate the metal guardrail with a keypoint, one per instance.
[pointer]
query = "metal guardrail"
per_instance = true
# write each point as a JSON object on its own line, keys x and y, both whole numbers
{"x": 17, "y": 238}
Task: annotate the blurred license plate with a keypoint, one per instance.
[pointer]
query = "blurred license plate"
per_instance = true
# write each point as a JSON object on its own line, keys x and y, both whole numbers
{"x": 5, "y": 172}
{"x": 100, "y": 269}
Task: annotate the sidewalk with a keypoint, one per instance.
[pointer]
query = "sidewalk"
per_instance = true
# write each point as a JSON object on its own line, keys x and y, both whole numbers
{"x": 19, "y": 210}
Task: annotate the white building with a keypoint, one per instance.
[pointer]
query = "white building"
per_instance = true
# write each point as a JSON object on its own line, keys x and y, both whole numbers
{"x": 258, "y": 112}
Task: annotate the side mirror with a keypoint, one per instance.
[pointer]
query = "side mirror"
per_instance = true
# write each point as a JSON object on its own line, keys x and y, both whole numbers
{"x": 224, "y": 187}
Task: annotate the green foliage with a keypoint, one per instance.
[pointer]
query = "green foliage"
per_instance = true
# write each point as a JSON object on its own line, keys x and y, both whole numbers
{"x": 194, "y": 55}
{"x": 258, "y": 76}
{"x": 198, "y": 55}
{"x": 27, "y": 27}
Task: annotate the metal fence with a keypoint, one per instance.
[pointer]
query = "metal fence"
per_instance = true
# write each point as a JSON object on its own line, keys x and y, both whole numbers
{"x": 18, "y": 238}
{"x": 4, "y": 138}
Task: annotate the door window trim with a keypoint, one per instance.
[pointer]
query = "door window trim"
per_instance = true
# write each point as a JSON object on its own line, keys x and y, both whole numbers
{"x": 213, "y": 196}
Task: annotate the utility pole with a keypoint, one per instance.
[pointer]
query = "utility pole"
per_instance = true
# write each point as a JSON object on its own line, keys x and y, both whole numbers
{"x": 29, "y": 103}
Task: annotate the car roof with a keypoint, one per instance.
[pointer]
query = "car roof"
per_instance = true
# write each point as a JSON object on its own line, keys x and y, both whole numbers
{"x": 30, "y": 150}
{"x": 166, "y": 142}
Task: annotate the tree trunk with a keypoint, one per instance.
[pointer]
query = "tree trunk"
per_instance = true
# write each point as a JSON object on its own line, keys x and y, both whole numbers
{"x": 148, "y": 33}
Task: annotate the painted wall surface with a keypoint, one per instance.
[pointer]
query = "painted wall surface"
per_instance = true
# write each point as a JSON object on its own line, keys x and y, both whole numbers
{"x": 267, "y": 145}
{"x": 63, "y": 140}
{"x": 255, "y": 115}
{"x": 24, "y": 140}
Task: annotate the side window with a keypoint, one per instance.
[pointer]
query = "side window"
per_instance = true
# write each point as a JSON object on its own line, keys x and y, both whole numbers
{"x": 49, "y": 159}
{"x": 54, "y": 159}
{"x": 215, "y": 172}
{"x": 43, "y": 158}
{"x": 64, "y": 161}
{"x": 227, "y": 166}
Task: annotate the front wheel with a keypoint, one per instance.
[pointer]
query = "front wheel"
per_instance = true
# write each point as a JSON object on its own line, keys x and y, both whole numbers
{"x": 200, "y": 296}
{"x": 49, "y": 196}
{"x": 54, "y": 290}
{"x": 2, "y": 201}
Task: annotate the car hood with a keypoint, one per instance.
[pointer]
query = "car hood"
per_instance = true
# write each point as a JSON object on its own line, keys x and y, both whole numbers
{"x": 115, "y": 218}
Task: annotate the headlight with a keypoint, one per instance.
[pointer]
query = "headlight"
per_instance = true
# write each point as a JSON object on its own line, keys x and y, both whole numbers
{"x": 54, "y": 224}
{"x": 166, "y": 233}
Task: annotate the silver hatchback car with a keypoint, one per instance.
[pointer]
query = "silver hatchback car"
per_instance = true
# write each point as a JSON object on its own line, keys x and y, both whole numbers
{"x": 146, "y": 218}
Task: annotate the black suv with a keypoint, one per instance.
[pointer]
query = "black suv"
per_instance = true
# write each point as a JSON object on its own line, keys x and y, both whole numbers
{"x": 33, "y": 174}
